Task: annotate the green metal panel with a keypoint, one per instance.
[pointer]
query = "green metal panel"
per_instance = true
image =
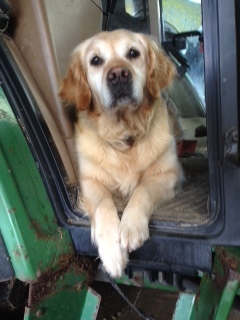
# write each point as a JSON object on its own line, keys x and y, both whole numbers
{"x": 206, "y": 299}
{"x": 184, "y": 306}
{"x": 92, "y": 302}
{"x": 27, "y": 222}
{"x": 41, "y": 252}
{"x": 198, "y": 306}
{"x": 227, "y": 270}
{"x": 227, "y": 299}
{"x": 216, "y": 293}
{"x": 69, "y": 298}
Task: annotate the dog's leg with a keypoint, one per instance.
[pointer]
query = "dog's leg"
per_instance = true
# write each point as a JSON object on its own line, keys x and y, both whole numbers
{"x": 104, "y": 226}
{"x": 150, "y": 193}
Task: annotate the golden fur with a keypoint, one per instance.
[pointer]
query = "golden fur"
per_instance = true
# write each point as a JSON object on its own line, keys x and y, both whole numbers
{"x": 125, "y": 145}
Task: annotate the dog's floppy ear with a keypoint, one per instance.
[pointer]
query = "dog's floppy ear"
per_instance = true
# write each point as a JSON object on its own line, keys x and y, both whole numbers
{"x": 74, "y": 88}
{"x": 161, "y": 70}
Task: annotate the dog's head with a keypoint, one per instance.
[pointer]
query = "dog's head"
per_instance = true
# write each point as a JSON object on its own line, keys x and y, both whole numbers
{"x": 116, "y": 69}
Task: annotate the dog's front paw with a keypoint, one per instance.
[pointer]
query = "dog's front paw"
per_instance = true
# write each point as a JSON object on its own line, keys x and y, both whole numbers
{"x": 133, "y": 231}
{"x": 112, "y": 255}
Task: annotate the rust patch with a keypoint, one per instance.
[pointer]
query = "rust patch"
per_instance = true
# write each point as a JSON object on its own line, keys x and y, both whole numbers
{"x": 227, "y": 268}
{"x": 46, "y": 283}
{"x": 228, "y": 259}
{"x": 37, "y": 228}
{"x": 221, "y": 279}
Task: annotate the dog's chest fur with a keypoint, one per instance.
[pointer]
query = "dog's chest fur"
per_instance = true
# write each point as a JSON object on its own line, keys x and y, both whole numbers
{"x": 119, "y": 149}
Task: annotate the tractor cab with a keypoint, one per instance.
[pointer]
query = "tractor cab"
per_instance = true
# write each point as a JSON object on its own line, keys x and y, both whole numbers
{"x": 194, "y": 238}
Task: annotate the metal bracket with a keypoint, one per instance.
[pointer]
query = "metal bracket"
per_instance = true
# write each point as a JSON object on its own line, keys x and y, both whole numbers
{"x": 217, "y": 291}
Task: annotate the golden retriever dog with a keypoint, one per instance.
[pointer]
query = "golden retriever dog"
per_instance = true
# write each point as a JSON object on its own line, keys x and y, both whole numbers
{"x": 125, "y": 143}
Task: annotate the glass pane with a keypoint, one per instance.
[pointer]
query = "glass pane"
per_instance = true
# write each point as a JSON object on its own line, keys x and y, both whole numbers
{"x": 181, "y": 17}
{"x": 183, "y": 40}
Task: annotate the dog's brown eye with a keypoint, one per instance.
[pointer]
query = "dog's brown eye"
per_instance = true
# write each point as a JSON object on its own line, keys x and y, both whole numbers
{"x": 96, "y": 61}
{"x": 133, "y": 54}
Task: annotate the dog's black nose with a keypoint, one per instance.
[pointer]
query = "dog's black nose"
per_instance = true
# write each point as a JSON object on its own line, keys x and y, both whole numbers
{"x": 118, "y": 75}
{"x": 119, "y": 81}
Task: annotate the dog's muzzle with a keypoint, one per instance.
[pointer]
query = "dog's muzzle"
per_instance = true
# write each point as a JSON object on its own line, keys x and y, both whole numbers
{"x": 119, "y": 81}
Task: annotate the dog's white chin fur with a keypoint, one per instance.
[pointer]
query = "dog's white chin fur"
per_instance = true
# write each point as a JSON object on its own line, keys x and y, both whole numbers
{"x": 132, "y": 101}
